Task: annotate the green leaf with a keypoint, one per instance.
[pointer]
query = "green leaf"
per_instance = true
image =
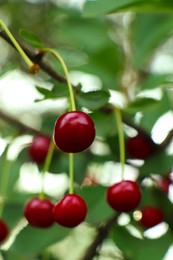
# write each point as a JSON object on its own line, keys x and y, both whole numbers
{"x": 8, "y": 68}
{"x": 159, "y": 163}
{"x": 141, "y": 104}
{"x": 94, "y": 99}
{"x": 30, "y": 38}
{"x": 31, "y": 240}
{"x": 100, "y": 7}
{"x": 158, "y": 28}
{"x": 73, "y": 57}
{"x": 98, "y": 209}
{"x": 134, "y": 248}
{"x": 105, "y": 123}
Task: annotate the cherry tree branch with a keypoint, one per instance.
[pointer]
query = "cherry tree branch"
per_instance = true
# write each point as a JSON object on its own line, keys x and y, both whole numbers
{"x": 23, "y": 128}
{"x": 102, "y": 233}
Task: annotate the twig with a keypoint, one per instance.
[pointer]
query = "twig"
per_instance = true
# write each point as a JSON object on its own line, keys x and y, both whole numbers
{"x": 102, "y": 233}
{"x": 15, "y": 122}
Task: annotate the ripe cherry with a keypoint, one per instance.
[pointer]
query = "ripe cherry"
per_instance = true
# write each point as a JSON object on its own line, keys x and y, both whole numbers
{"x": 70, "y": 211}
{"x": 124, "y": 196}
{"x": 39, "y": 212}
{"x": 139, "y": 147}
{"x": 163, "y": 184}
{"x": 151, "y": 216}
{"x": 4, "y": 231}
{"x": 38, "y": 149}
{"x": 74, "y": 132}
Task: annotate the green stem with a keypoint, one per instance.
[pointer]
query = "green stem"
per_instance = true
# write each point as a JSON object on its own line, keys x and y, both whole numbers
{"x": 17, "y": 46}
{"x": 46, "y": 167}
{"x": 71, "y": 173}
{"x": 121, "y": 140}
{"x": 58, "y": 56}
{"x": 4, "y": 181}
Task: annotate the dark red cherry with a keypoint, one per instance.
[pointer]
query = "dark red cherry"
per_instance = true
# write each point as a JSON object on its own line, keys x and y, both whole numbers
{"x": 74, "y": 132}
{"x": 164, "y": 184}
{"x": 4, "y": 231}
{"x": 124, "y": 196}
{"x": 70, "y": 211}
{"x": 38, "y": 149}
{"x": 39, "y": 212}
{"x": 139, "y": 147}
{"x": 151, "y": 216}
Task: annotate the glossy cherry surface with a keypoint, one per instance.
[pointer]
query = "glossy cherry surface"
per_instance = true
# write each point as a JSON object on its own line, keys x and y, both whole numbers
{"x": 124, "y": 196}
{"x": 74, "y": 132}
{"x": 38, "y": 149}
{"x": 4, "y": 231}
{"x": 39, "y": 212}
{"x": 139, "y": 147}
{"x": 70, "y": 211}
{"x": 151, "y": 216}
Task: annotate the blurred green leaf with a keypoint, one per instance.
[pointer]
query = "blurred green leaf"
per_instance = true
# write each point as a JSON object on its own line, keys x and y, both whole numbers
{"x": 98, "y": 209}
{"x": 73, "y": 57}
{"x": 33, "y": 240}
{"x": 8, "y": 68}
{"x": 102, "y": 7}
{"x": 134, "y": 248}
{"x": 159, "y": 163}
{"x": 30, "y": 38}
{"x": 158, "y": 28}
{"x": 105, "y": 123}
{"x": 94, "y": 99}
{"x": 141, "y": 104}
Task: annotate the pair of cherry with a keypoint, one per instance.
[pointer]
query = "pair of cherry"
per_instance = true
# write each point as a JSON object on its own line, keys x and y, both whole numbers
{"x": 70, "y": 211}
{"x": 125, "y": 196}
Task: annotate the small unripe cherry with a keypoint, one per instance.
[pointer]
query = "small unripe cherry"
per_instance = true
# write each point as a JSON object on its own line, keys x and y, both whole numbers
{"x": 124, "y": 196}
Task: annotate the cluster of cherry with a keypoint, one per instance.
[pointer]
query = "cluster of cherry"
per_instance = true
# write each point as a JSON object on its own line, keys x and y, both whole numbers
{"x": 74, "y": 132}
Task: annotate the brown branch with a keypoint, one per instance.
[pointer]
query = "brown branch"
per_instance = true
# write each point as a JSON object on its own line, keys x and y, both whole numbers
{"x": 102, "y": 233}
{"x": 23, "y": 128}
{"x": 37, "y": 59}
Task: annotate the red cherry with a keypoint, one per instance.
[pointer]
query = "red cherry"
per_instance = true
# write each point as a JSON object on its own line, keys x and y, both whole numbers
{"x": 151, "y": 216}
{"x": 4, "y": 231}
{"x": 74, "y": 132}
{"x": 70, "y": 211}
{"x": 139, "y": 147}
{"x": 39, "y": 212}
{"x": 124, "y": 196}
{"x": 38, "y": 149}
{"x": 163, "y": 184}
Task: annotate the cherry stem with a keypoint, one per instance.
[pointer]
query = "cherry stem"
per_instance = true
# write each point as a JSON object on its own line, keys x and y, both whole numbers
{"x": 46, "y": 167}
{"x": 4, "y": 180}
{"x": 121, "y": 140}
{"x": 58, "y": 56}
{"x": 72, "y": 108}
{"x": 71, "y": 173}
{"x": 17, "y": 46}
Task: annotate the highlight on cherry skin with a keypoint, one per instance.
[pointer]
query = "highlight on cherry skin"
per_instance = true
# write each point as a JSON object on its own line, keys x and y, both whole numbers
{"x": 70, "y": 211}
{"x": 38, "y": 149}
{"x": 124, "y": 196}
{"x": 4, "y": 231}
{"x": 74, "y": 132}
{"x": 39, "y": 212}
